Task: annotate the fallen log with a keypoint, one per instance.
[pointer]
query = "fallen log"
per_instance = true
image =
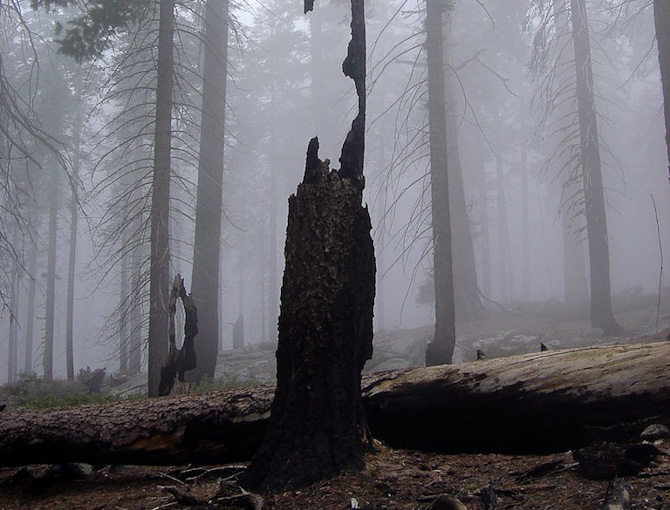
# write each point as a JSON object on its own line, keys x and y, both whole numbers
{"x": 549, "y": 401}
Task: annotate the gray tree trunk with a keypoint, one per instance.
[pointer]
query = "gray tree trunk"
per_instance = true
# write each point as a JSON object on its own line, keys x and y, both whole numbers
{"x": 30, "y": 309}
{"x": 207, "y": 244}
{"x": 159, "y": 287}
{"x": 594, "y": 197}
{"x": 441, "y": 349}
{"x": 468, "y": 304}
{"x": 47, "y": 356}
{"x": 662, "y": 22}
{"x": 72, "y": 256}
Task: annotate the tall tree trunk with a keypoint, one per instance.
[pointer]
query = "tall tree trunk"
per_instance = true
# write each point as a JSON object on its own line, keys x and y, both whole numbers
{"x": 317, "y": 425}
{"x": 207, "y": 244}
{"x": 124, "y": 309}
{"x": 441, "y": 349}
{"x": 48, "y": 353}
{"x": 159, "y": 286}
{"x": 525, "y": 219}
{"x": 72, "y": 257}
{"x": 596, "y": 221}
{"x": 135, "y": 320}
{"x": 662, "y": 23}
{"x": 468, "y": 304}
{"x": 273, "y": 296}
{"x": 504, "y": 248}
{"x": 13, "y": 336}
{"x": 30, "y": 311}
{"x": 484, "y": 229}
{"x": 575, "y": 282}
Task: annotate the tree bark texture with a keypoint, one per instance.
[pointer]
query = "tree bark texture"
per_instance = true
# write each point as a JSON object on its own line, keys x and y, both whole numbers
{"x": 441, "y": 349}
{"x": 594, "y": 196}
{"x": 662, "y": 22}
{"x": 207, "y": 243}
{"x": 159, "y": 272}
{"x": 325, "y": 337}
{"x": 549, "y": 401}
{"x": 318, "y": 424}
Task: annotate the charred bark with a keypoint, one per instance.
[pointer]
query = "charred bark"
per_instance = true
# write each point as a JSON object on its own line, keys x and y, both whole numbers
{"x": 318, "y": 425}
{"x": 552, "y": 401}
{"x": 179, "y": 360}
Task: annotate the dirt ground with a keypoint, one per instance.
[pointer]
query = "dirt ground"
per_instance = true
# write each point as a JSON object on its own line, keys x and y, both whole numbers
{"x": 392, "y": 480}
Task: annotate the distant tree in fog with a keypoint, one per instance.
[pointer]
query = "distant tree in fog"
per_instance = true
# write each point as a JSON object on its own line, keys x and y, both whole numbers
{"x": 662, "y": 22}
{"x": 441, "y": 349}
{"x": 587, "y": 159}
{"x": 208, "y": 212}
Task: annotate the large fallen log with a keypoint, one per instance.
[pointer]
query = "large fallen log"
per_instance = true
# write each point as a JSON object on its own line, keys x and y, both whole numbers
{"x": 550, "y": 401}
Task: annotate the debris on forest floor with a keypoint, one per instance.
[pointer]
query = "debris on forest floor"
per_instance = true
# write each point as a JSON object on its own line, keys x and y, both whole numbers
{"x": 392, "y": 479}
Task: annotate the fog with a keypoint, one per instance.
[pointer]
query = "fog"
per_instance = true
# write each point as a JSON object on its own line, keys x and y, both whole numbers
{"x": 515, "y": 130}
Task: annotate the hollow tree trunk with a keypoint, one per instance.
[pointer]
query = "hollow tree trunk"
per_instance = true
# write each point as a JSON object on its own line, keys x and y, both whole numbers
{"x": 541, "y": 402}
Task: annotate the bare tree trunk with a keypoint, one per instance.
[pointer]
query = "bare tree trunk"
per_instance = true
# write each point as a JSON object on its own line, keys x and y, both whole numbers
{"x": 317, "y": 425}
{"x": 13, "y": 336}
{"x": 596, "y": 221}
{"x": 160, "y": 201}
{"x": 526, "y": 271}
{"x": 72, "y": 258}
{"x": 135, "y": 317}
{"x": 468, "y": 304}
{"x": 207, "y": 244}
{"x": 48, "y": 353}
{"x": 30, "y": 312}
{"x": 504, "y": 248}
{"x": 441, "y": 349}
{"x": 662, "y": 22}
{"x": 484, "y": 229}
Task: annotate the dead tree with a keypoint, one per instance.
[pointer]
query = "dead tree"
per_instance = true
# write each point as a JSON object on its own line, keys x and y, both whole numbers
{"x": 318, "y": 425}
{"x": 179, "y": 360}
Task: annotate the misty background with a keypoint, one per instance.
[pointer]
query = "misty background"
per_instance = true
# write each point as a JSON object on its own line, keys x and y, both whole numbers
{"x": 285, "y": 86}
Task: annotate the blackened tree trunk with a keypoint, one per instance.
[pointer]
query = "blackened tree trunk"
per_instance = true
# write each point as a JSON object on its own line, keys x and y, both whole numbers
{"x": 160, "y": 201}
{"x": 207, "y": 243}
{"x": 662, "y": 22}
{"x": 318, "y": 425}
{"x": 441, "y": 349}
{"x": 594, "y": 196}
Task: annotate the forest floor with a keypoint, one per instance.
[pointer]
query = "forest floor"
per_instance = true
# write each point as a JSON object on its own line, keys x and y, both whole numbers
{"x": 393, "y": 479}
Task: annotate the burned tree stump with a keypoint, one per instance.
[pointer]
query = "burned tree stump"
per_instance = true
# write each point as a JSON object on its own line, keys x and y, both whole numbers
{"x": 179, "y": 360}
{"x": 317, "y": 425}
